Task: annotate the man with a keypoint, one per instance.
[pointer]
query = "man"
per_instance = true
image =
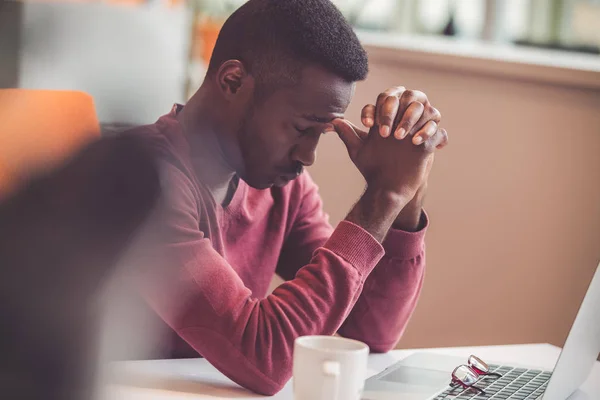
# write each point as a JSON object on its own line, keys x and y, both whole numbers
{"x": 238, "y": 207}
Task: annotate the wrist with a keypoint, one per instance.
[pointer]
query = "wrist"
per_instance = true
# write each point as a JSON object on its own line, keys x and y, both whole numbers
{"x": 410, "y": 218}
{"x": 376, "y": 211}
{"x": 382, "y": 199}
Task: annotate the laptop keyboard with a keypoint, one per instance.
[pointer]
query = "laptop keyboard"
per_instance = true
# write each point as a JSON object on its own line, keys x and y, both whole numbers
{"x": 515, "y": 384}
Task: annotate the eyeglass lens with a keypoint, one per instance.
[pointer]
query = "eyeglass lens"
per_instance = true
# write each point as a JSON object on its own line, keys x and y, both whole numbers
{"x": 477, "y": 364}
{"x": 465, "y": 375}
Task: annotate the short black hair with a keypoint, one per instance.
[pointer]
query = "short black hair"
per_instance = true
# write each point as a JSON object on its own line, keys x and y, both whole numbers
{"x": 275, "y": 39}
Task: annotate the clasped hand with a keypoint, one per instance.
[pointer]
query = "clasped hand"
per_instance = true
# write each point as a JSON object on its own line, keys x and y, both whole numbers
{"x": 384, "y": 157}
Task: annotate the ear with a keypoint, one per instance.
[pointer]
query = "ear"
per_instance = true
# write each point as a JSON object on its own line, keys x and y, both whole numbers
{"x": 233, "y": 80}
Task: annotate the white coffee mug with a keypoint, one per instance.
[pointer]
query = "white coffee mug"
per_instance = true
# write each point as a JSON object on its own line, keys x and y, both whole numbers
{"x": 329, "y": 368}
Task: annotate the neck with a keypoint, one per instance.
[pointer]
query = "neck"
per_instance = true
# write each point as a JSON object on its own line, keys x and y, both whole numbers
{"x": 205, "y": 135}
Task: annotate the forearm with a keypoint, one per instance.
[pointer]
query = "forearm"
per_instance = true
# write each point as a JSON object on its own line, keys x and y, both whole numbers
{"x": 248, "y": 339}
{"x": 386, "y": 304}
{"x": 391, "y": 291}
{"x": 390, "y": 294}
{"x": 376, "y": 211}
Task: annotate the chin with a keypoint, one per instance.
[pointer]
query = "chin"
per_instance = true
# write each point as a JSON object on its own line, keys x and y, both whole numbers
{"x": 259, "y": 184}
{"x": 282, "y": 181}
{"x": 262, "y": 184}
{"x": 280, "y": 184}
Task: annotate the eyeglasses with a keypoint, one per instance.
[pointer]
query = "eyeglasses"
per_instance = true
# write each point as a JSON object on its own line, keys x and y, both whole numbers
{"x": 468, "y": 375}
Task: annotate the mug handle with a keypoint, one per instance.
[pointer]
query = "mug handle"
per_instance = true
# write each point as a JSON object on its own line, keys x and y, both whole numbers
{"x": 331, "y": 370}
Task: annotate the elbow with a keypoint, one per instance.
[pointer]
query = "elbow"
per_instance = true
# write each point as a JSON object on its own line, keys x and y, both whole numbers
{"x": 263, "y": 381}
{"x": 381, "y": 348}
{"x": 271, "y": 391}
{"x": 267, "y": 388}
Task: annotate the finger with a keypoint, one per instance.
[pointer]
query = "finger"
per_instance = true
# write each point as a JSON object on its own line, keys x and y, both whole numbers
{"x": 367, "y": 116}
{"x": 410, "y": 96}
{"x": 433, "y": 140}
{"x": 410, "y": 117}
{"x": 430, "y": 114}
{"x": 434, "y": 114}
{"x": 439, "y": 140}
{"x": 443, "y": 142}
{"x": 378, "y": 105}
{"x": 363, "y": 135}
{"x": 395, "y": 91}
{"x": 424, "y": 134}
{"x": 387, "y": 115}
{"x": 349, "y": 134}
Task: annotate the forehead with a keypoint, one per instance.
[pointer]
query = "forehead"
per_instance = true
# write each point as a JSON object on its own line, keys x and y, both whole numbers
{"x": 320, "y": 92}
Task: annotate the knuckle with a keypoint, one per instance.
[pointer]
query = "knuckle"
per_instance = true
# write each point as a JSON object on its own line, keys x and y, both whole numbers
{"x": 418, "y": 106}
{"x": 421, "y": 95}
{"x": 391, "y": 102}
{"x": 408, "y": 94}
{"x": 414, "y": 112}
{"x": 395, "y": 91}
{"x": 435, "y": 114}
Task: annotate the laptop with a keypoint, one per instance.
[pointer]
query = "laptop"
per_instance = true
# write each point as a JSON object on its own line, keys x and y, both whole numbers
{"x": 427, "y": 376}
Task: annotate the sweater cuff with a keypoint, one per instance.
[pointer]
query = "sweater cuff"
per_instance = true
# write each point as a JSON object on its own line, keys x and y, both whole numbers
{"x": 405, "y": 245}
{"x": 355, "y": 245}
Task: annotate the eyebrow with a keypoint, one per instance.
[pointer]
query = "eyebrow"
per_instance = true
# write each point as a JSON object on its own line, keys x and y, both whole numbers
{"x": 316, "y": 118}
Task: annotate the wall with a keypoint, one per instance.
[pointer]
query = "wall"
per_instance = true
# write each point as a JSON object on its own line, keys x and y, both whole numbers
{"x": 514, "y": 201}
{"x": 131, "y": 59}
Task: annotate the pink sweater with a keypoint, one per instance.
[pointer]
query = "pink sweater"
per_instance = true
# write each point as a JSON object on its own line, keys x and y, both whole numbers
{"x": 222, "y": 260}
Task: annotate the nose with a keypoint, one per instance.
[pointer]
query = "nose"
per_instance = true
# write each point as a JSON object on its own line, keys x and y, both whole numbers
{"x": 305, "y": 152}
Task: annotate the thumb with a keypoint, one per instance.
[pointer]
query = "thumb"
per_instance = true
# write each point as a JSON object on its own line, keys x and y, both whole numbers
{"x": 349, "y": 133}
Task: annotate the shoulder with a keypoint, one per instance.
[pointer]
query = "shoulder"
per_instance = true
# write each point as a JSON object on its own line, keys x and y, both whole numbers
{"x": 154, "y": 138}
{"x": 178, "y": 189}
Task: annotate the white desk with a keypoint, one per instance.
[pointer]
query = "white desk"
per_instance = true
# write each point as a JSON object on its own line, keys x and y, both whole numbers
{"x": 196, "y": 378}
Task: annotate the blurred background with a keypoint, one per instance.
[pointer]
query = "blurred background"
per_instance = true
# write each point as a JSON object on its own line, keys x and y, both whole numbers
{"x": 135, "y": 57}
{"x": 515, "y": 199}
